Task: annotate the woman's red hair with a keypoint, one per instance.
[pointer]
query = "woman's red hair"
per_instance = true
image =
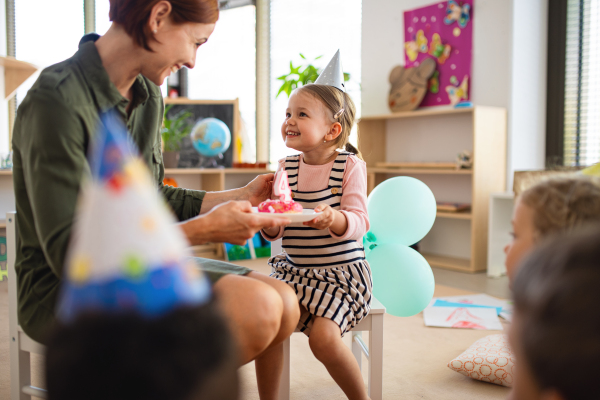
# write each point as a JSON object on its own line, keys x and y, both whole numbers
{"x": 133, "y": 15}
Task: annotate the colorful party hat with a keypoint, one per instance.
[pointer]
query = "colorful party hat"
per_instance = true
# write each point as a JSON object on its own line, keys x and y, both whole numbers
{"x": 333, "y": 75}
{"x": 126, "y": 252}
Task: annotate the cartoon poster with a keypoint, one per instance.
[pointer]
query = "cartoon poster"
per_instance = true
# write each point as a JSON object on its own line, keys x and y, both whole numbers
{"x": 442, "y": 31}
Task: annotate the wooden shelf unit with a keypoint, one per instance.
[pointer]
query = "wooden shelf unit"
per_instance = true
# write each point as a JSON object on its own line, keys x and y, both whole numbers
{"x": 214, "y": 179}
{"x": 454, "y": 215}
{"x": 487, "y": 127}
{"x": 15, "y": 73}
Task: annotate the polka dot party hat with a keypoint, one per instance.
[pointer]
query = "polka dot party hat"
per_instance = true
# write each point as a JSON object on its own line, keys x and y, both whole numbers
{"x": 333, "y": 75}
{"x": 126, "y": 252}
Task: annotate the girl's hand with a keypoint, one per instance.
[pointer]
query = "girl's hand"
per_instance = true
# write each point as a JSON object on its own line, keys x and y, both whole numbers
{"x": 324, "y": 220}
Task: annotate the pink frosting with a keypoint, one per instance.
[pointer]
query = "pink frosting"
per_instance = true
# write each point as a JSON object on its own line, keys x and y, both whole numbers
{"x": 280, "y": 207}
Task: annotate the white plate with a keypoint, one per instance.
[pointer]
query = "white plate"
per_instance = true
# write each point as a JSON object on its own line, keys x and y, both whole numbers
{"x": 307, "y": 215}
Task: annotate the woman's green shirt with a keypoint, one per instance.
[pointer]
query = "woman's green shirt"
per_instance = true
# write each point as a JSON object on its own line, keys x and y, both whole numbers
{"x": 54, "y": 126}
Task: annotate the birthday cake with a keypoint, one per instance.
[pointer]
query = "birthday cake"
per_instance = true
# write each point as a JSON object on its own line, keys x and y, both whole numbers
{"x": 280, "y": 207}
{"x": 285, "y": 204}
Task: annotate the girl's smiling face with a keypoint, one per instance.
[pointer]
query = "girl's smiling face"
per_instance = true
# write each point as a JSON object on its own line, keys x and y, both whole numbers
{"x": 524, "y": 235}
{"x": 306, "y": 123}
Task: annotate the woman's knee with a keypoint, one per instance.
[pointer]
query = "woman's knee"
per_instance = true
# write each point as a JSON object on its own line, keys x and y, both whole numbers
{"x": 291, "y": 309}
{"x": 253, "y": 309}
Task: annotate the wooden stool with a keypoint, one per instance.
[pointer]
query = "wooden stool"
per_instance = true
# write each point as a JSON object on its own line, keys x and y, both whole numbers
{"x": 21, "y": 345}
{"x": 372, "y": 323}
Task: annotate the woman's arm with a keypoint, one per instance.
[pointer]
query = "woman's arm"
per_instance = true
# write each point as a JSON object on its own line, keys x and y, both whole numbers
{"x": 231, "y": 222}
{"x": 255, "y": 192}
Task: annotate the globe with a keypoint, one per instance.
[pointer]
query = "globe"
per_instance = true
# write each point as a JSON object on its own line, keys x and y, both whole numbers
{"x": 210, "y": 137}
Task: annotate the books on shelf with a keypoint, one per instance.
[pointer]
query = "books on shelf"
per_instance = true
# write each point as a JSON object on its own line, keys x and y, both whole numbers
{"x": 418, "y": 165}
{"x": 452, "y": 207}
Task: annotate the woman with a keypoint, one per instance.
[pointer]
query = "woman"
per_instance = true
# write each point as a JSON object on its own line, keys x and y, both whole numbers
{"x": 147, "y": 41}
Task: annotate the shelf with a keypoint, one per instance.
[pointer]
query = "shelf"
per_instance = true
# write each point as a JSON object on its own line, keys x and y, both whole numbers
{"x": 454, "y": 263}
{"x": 15, "y": 73}
{"x": 454, "y": 215}
{"x": 6, "y": 172}
{"x": 248, "y": 171}
{"x": 416, "y": 171}
{"x": 211, "y": 171}
{"x": 420, "y": 113}
{"x": 2, "y": 224}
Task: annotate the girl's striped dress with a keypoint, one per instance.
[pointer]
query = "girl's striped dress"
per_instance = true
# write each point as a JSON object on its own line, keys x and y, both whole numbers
{"x": 332, "y": 278}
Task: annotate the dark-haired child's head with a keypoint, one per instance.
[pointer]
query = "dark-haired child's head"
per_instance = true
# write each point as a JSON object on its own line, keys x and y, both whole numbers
{"x": 186, "y": 354}
{"x": 556, "y": 326}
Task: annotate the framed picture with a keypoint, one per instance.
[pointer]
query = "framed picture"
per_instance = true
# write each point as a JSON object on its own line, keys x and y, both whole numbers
{"x": 225, "y": 111}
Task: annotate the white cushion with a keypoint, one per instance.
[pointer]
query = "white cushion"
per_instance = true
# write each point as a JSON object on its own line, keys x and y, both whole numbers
{"x": 489, "y": 359}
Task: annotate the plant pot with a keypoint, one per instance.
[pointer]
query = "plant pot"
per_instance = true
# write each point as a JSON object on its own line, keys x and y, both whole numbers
{"x": 170, "y": 159}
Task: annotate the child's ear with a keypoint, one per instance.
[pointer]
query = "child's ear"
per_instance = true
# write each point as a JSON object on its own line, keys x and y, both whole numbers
{"x": 334, "y": 131}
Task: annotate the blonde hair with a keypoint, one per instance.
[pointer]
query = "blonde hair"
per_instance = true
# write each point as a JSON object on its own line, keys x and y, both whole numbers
{"x": 341, "y": 106}
{"x": 562, "y": 204}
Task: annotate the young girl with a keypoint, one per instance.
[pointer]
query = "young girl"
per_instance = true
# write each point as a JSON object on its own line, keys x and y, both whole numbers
{"x": 323, "y": 259}
{"x": 550, "y": 207}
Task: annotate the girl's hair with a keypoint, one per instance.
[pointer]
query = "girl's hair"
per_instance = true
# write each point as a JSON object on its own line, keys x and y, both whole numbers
{"x": 555, "y": 295}
{"x": 562, "y": 204}
{"x": 342, "y": 106}
{"x": 133, "y": 15}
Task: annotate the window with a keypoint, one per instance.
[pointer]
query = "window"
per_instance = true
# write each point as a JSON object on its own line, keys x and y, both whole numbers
{"x": 573, "y": 113}
{"x": 226, "y": 69}
{"x": 582, "y": 84}
{"x": 225, "y": 65}
{"x": 46, "y": 34}
{"x": 102, "y": 20}
{"x": 314, "y": 28}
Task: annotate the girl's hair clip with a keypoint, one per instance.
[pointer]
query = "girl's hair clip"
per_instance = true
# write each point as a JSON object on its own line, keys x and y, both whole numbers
{"x": 338, "y": 114}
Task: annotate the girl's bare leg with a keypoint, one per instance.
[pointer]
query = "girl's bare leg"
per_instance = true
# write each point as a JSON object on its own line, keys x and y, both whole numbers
{"x": 328, "y": 347}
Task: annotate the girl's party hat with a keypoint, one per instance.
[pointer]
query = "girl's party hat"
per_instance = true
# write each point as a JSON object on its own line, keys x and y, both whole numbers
{"x": 126, "y": 253}
{"x": 333, "y": 75}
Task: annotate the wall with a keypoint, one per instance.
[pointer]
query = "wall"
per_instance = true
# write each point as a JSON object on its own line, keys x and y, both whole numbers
{"x": 509, "y": 66}
{"x": 4, "y": 145}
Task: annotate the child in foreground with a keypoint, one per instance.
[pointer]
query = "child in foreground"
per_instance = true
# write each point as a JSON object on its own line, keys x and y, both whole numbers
{"x": 135, "y": 318}
{"x": 187, "y": 354}
{"x": 323, "y": 259}
{"x": 554, "y": 333}
{"x": 550, "y": 207}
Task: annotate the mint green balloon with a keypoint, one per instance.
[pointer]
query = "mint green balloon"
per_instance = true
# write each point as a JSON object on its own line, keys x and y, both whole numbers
{"x": 402, "y": 279}
{"x": 401, "y": 210}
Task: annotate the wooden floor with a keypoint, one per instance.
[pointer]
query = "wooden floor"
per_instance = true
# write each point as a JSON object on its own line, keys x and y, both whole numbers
{"x": 415, "y": 356}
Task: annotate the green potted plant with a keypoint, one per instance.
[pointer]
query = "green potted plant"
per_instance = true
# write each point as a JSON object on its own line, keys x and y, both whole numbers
{"x": 173, "y": 131}
{"x": 301, "y": 75}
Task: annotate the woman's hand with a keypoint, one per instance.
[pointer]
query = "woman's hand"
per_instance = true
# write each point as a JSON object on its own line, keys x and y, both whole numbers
{"x": 259, "y": 189}
{"x": 255, "y": 192}
{"x": 231, "y": 222}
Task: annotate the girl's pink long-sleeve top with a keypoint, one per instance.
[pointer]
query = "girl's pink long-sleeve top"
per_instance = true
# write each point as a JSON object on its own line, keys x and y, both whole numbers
{"x": 354, "y": 193}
